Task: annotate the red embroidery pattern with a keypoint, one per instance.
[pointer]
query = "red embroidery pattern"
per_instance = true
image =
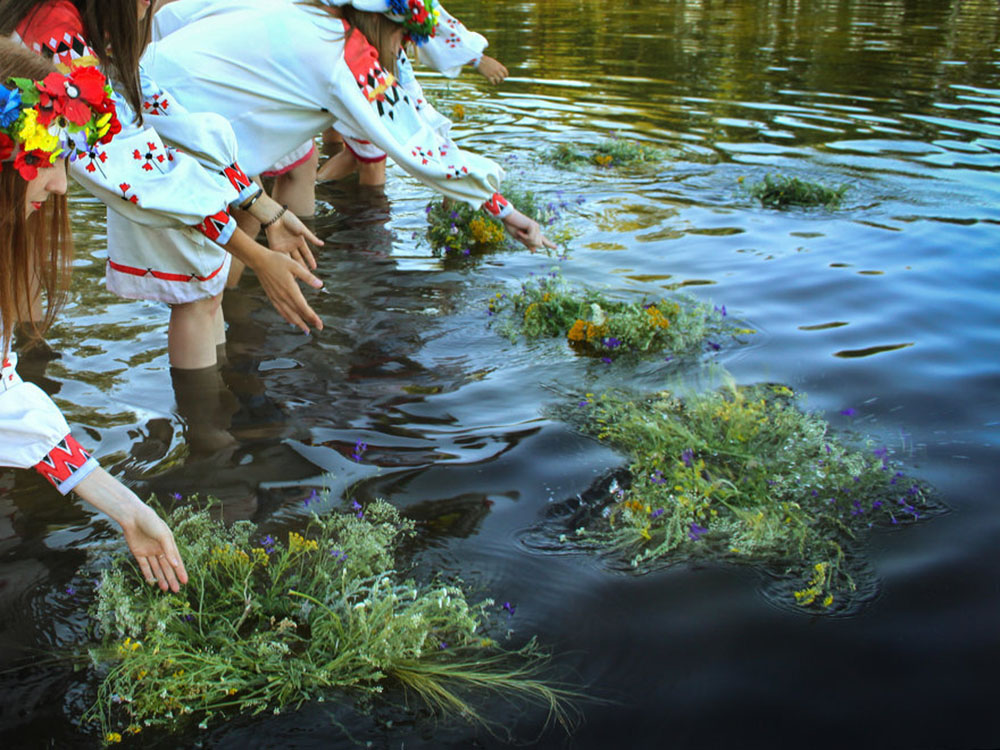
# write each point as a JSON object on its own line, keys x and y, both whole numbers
{"x": 424, "y": 156}
{"x": 149, "y": 158}
{"x": 55, "y": 30}
{"x": 378, "y": 86}
{"x": 63, "y": 461}
{"x": 95, "y": 158}
{"x": 213, "y": 225}
{"x": 156, "y": 105}
{"x": 496, "y": 204}
{"x": 237, "y": 177}
{"x": 125, "y": 187}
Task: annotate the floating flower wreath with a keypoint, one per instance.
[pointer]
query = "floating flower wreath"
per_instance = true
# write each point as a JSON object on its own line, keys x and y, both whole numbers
{"x": 59, "y": 115}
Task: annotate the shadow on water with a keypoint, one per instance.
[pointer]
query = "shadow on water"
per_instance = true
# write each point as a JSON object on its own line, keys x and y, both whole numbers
{"x": 884, "y": 312}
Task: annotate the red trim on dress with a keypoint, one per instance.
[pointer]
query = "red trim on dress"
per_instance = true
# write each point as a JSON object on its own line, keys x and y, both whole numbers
{"x": 365, "y": 159}
{"x": 62, "y": 461}
{"x": 290, "y": 167}
{"x": 162, "y": 275}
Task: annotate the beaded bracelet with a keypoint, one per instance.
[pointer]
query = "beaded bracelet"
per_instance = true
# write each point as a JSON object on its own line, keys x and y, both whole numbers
{"x": 277, "y": 216}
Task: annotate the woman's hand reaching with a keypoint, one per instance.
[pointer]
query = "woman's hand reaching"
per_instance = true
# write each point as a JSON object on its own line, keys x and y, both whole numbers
{"x": 148, "y": 537}
{"x": 527, "y": 231}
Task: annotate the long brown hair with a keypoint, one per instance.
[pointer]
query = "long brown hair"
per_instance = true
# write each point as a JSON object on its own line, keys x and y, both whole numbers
{"x": 35, "y": 252}
{"x": 112, "y": 28}
{"x": 377, "y": 28}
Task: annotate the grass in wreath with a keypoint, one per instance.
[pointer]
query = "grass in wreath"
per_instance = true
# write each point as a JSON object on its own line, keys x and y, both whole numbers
{"x": 456, "y": 229}
{"x": 781, "y": 191}
{"x": 595, "y": 325}
{"x": 265, "y": 624}
{"x": 743, "y": 474}
{"x": 612, "y": 152}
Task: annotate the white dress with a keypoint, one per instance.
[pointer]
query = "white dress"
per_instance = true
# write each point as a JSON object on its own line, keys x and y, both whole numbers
{"x": 168, "y": 184}
{"x": 308, "y": 74}
{"x": 451, "y": 47}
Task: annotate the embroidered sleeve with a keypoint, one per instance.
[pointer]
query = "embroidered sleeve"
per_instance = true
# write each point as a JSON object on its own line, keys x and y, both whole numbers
{"x": 452, "y": 46}
{"x": 33, "y": 433}
{"x": 498, "y": 206}
{"x": 141, "y": 173}
{"x": 151, "y": 183}
{"x": 370, "y": 104}
{"x": 204, "y": 136}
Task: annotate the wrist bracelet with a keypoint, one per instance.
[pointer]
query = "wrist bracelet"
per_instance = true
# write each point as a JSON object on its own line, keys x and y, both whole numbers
{"x": 268, "y": 224}
{"x": 248, "y": 203}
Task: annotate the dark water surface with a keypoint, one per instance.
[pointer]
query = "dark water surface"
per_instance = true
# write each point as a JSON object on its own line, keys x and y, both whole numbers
{"x": 888, "y": 306}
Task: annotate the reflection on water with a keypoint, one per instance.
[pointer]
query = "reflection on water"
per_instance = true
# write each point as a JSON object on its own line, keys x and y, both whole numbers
{"x": 898, "y": 99}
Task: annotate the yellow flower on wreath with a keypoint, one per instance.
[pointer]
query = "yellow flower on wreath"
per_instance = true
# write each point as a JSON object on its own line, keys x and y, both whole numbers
{"x": 656, "y": 317}
{"x": 297, "y": 542}
{"x": 595, "y": 332}
{"x": 579, "y": 331}
{"x": 36, "y": 136}
{"x": 485, "y": 232}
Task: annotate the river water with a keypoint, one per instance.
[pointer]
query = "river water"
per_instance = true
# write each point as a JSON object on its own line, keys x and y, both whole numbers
{"x": 885, "y": 308}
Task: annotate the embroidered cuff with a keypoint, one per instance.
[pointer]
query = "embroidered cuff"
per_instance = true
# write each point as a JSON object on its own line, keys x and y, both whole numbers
{"x": 66, "y": 464}
{"x": 218, "y": 227}
{"x": 241, "y": 183}
{"x": 497, "y": 206}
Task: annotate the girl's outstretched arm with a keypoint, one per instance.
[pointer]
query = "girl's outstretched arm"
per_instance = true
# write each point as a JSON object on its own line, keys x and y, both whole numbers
{"x": 148, "y": 537}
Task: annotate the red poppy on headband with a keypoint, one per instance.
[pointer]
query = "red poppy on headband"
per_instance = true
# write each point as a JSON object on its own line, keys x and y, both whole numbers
{"x": 73, "y": 96}
{"x": 27, "y": 163}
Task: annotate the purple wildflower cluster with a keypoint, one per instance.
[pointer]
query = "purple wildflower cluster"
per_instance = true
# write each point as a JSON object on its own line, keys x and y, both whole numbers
{"x": 359, "y": 449}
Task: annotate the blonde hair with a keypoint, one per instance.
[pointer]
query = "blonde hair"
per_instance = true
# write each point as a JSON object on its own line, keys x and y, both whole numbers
{"x": 35, "y": 251}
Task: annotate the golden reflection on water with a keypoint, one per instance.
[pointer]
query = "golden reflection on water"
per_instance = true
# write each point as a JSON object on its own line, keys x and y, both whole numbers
{"x": 743, "y": 60}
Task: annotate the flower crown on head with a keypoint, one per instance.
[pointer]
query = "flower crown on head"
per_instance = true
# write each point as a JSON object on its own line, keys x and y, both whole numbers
{"x": 59, "y": 115}
{"x": 418, "y": 17}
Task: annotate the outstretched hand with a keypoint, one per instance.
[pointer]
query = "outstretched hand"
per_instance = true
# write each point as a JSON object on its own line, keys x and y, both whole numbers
{"x": 278, "y": 276}
{"x": 527, "y": 231}
{"x": 492, "y": 70}
{"x": 291, "y": 237}
{"x": 152, "y": 544}
{"x": 148, "y": 537}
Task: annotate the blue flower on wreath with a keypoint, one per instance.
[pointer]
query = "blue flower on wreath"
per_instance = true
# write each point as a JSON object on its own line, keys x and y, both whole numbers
{"x": 10, "y": 106}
